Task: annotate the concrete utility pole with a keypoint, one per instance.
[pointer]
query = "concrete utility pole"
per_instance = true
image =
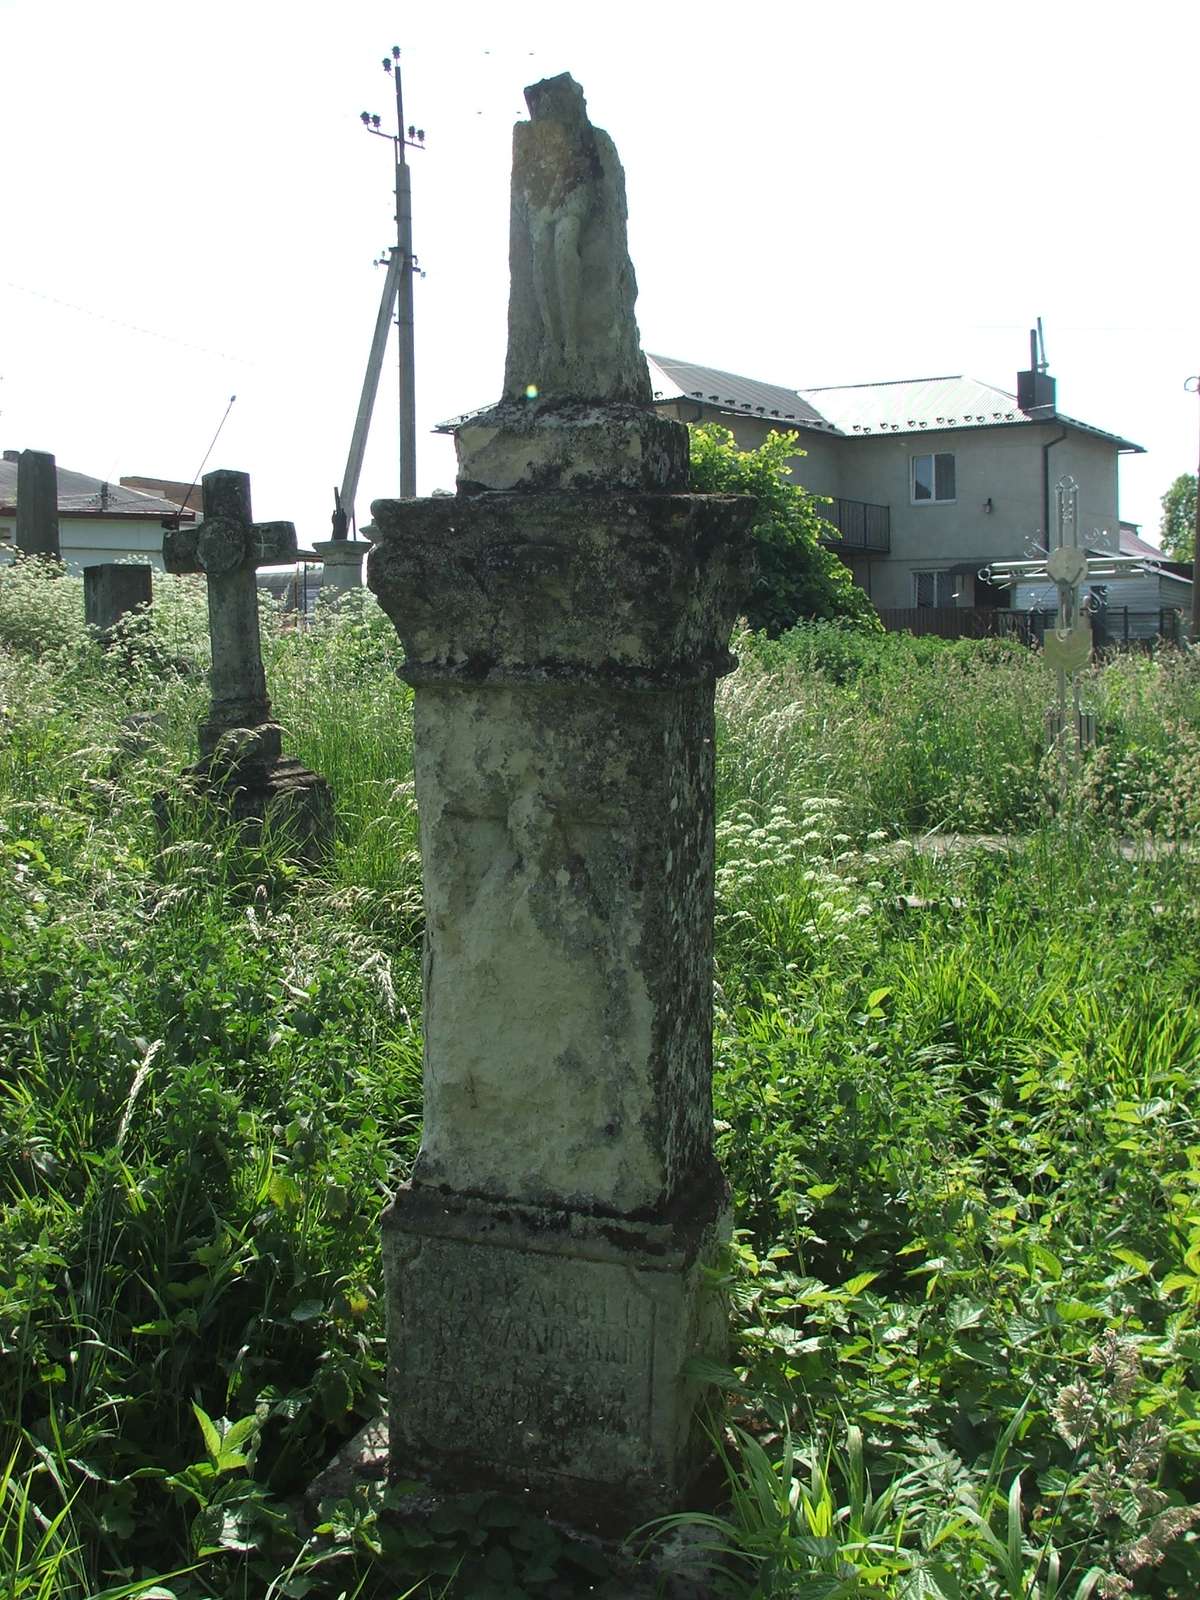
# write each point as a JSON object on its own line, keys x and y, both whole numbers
{"x": 407, "y": 265}
{"x": 344, "y": 498}
{"x": 1192, "y": 385}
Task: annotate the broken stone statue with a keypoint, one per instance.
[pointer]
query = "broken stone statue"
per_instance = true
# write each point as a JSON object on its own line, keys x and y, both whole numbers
{"x": 575, "y": 413}
{"x": 549, "y": 1265}
{"x": 241, "y": 751}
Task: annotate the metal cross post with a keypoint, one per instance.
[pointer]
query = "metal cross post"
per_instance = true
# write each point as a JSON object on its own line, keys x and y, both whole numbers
{"x": 227, "y": 547}
{"x": 1068, "y": 645}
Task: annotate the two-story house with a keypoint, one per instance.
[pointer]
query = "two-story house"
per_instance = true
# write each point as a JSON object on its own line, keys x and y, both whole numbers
{"x": 929, "y": 478}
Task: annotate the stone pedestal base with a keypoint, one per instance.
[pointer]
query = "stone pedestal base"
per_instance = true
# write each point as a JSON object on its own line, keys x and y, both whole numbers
{"x": 570, "y": 445}
{"x": 283, "y": 800}
{"x": 678, "y": 1565}
{"x": 342, "y": 561}
{"x": 543, "y": 1352}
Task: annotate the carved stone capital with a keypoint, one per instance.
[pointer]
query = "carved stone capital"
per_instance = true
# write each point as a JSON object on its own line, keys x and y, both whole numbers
{"x": 634, "y": 590}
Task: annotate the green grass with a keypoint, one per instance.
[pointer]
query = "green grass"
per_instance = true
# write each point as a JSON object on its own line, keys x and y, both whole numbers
{"x": 955, "y": 1100}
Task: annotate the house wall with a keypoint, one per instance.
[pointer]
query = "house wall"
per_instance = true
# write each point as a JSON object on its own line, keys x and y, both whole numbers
{"x": 1003, "y": 465}
{"x": 89, "y": 541}
{"x": 999, "y": 509}
{"x": 818, "y": 470}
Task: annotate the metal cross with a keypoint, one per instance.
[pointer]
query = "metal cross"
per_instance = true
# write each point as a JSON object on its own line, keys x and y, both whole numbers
{"x": 1067, "y": 646}
{"x": 228, "y": 546}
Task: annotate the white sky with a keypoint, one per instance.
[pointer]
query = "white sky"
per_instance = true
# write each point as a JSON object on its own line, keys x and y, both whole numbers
{"x": 818, "y": 194}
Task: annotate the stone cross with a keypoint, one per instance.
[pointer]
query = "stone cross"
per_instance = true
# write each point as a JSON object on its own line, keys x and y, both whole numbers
{"x": 549, "y": 1263}
{"x": 1067, "y": 646}
{"x": 37, "y": 504}
{"x": 228, "y": 547}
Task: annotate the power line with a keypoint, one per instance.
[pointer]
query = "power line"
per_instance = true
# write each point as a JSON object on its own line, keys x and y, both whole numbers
{"x": 119, "y": 322}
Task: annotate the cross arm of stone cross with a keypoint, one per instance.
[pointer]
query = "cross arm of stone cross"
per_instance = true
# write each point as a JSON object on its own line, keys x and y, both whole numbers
{"x": 217, "y": 546}
{"x": 228, "y": 538}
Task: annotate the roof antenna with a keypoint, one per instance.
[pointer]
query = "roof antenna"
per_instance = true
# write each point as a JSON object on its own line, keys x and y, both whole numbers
{"x": 1041, "y": 365}
{"x": 173, "y": 521}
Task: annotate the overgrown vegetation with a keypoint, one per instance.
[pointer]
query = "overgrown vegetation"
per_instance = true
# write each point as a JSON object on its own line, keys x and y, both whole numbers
{"x": 798, "y": 577}
{"x": 955, "y": 1099}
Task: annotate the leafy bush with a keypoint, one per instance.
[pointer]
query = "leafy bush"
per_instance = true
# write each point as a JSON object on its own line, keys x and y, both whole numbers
{"x": 797, "y": 576}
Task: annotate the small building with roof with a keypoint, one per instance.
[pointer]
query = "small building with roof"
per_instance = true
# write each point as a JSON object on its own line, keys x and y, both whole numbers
{"x": 98, "y": 521}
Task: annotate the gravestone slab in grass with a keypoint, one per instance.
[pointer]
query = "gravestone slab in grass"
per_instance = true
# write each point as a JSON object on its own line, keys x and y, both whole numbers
{"x": 111, "y": 591}
{"x": 548, "y": 1263}
{"x": 242, "y": 765}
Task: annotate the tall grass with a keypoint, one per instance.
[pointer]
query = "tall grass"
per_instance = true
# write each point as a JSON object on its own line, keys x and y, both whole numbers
{"x": 955, "y": 1099}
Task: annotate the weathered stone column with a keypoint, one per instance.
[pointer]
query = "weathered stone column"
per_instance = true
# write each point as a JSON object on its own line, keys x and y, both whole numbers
{"x": 546, "y": 1262}
{"x": 111, "y": 590}
{"x": 37, "y": 504}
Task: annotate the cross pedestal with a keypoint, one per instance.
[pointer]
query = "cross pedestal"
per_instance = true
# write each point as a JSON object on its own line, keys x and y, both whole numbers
{"x": 342, "y": 563}
{"x": 241, "y": 750}
{"x": 552, "y": 1266}
{"x": 549, "y": 1264}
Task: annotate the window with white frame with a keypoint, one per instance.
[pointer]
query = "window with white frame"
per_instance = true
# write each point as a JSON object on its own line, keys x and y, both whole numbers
{"x": 934, "y": 589}
{"x": 933, "y": 478}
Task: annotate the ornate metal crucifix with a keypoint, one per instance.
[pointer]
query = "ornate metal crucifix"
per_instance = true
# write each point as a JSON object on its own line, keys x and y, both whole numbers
{"x": 1067, "y": 646}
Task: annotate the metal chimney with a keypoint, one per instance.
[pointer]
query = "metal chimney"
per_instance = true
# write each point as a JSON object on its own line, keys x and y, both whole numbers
{"x": 1036, "y": 388}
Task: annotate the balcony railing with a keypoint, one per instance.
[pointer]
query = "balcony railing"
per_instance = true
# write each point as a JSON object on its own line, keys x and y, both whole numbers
{"x": 859, "y": 525}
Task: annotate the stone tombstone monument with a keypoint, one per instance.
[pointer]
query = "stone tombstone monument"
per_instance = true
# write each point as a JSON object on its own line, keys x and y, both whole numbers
{"x": 564, "y": 618}
{"x": 241, "y": 747}
{"x": 111, "y": 591}
{"x": 37, "y": 504}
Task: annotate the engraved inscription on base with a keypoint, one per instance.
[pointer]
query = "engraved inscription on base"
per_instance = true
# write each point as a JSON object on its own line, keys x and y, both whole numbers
{"x": 526, "y": 1356}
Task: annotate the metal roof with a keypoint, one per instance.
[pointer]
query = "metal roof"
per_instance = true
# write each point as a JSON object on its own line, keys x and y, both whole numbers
{"x": 684, "y": 380}
{"x": 80, "y": 495}
{"x": 857, "y": 410}
{"x": 913, "y": 404}
{"x": 919, "y": 405}
{"x": 1132, "y": 544}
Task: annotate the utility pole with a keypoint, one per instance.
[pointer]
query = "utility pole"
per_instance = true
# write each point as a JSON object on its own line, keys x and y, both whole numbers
{"x": 407, "y": 265}
{"x": 344, "y": 498}
{"x": 404, "y": 298}
{"x": 1193, "y": 387}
